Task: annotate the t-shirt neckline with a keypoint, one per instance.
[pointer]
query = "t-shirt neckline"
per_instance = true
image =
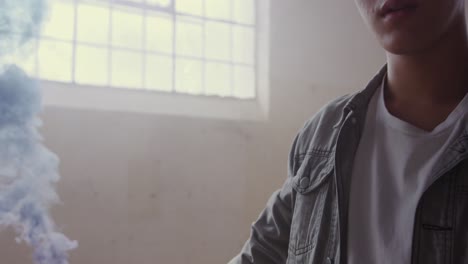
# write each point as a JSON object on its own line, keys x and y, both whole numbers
{"x": 409, "y": 129}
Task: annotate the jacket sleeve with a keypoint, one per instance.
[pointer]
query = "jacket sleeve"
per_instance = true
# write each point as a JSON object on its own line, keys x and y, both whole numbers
{"x": 269, "y": 239}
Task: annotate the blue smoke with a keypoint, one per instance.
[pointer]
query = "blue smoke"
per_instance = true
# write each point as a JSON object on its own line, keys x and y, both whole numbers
{"x": 28, "y": 170}
{"x": 20, "y": 20}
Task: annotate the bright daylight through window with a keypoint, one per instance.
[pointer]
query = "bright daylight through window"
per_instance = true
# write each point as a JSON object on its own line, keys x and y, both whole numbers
{"x": 197, "y": 47}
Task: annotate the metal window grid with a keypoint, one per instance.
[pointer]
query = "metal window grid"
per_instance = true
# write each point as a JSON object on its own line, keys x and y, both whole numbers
{"x": 146, "y": 10}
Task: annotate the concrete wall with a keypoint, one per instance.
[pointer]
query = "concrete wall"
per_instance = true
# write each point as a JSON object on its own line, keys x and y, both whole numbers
{"x": 164, "y": 189}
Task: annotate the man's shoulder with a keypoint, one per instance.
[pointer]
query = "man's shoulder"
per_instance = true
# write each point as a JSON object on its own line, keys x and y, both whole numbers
{"x": 328, "y": 116}
{"x": 319, "y": 131}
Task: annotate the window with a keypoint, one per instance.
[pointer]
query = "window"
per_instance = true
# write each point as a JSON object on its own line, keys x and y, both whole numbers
{"x": 192, "y": 47}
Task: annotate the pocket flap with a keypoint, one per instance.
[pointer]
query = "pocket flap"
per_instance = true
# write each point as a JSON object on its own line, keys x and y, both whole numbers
{"x": 314, "y": 170}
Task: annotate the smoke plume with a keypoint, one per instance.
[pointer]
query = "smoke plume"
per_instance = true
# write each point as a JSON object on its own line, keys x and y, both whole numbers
{"x": 28, "y": 170}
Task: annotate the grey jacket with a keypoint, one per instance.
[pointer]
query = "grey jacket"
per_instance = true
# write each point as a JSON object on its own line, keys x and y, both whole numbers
{"x": 305, "y": 222}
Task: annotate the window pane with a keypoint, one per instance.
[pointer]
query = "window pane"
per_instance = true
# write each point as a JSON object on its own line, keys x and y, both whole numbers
{"x": 220, "y": 9}
{"x": 163, "y": 3}
{"x": 159, "y": 73}
{"x": 55, "y": 60}
{"x": 194, "y": 7}
{"x": 60, "y": 21}
{"x": 91, "y": 65}
{"x": 188, "y": 76}
{"x": 244, "y": 11}
{"x": 93, "y": 24}
{"x": 221, "y": 42}
{"x": 218, "y": 79}
{"x": 159, "y": 30}
{"x": 127, "y": 29}
{"x": 218, "y": 41}
{"x": 126, "y": 69}
{"x": 244, "y": 45}
{"x": 244, "y": 82}
{"x": 189, "y": 37}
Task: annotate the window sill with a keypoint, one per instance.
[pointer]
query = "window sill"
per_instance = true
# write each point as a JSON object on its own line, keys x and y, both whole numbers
{"x": 72, "y": 96}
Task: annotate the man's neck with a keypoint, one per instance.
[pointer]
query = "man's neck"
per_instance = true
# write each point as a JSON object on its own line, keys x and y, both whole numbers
{"x": 433, "y": 80}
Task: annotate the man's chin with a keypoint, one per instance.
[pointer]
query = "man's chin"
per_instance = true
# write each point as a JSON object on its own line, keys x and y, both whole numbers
{"x": 404, "y": 48}
{"x": 406, "y": 43}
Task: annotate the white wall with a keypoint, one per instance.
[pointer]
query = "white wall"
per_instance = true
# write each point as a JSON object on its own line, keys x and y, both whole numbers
{"x": 164, "y": 189}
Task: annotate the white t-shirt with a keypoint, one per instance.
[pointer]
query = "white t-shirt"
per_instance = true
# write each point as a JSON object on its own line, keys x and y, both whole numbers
{"x": 392, "y": 169}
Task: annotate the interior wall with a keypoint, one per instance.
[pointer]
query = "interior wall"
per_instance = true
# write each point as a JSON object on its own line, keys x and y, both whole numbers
{"x": 169, "y": 189}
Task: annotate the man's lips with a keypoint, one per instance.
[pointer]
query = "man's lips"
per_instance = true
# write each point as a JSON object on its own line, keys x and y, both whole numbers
{"x": 395, "y": 6}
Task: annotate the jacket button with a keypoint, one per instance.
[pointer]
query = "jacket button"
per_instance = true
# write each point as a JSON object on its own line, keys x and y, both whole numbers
{"x": 304, "y": 182}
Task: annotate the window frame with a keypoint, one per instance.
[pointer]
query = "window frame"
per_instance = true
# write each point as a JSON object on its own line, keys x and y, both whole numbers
{"x": 89, "y": 97}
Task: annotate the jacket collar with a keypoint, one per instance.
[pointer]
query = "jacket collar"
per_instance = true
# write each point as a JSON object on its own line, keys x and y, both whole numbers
{"x": 360, "y": 100}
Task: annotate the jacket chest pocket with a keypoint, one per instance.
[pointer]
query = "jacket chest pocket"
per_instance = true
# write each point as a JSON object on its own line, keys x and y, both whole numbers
{"x": 314, "y": 222}
{"x": 441, "y": 232}
{"x": 434, "y": 225}
{"x": 460, "y": 233}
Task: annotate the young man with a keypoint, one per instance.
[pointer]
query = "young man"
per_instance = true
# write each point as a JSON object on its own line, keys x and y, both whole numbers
{"x": 381, "y": 176}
